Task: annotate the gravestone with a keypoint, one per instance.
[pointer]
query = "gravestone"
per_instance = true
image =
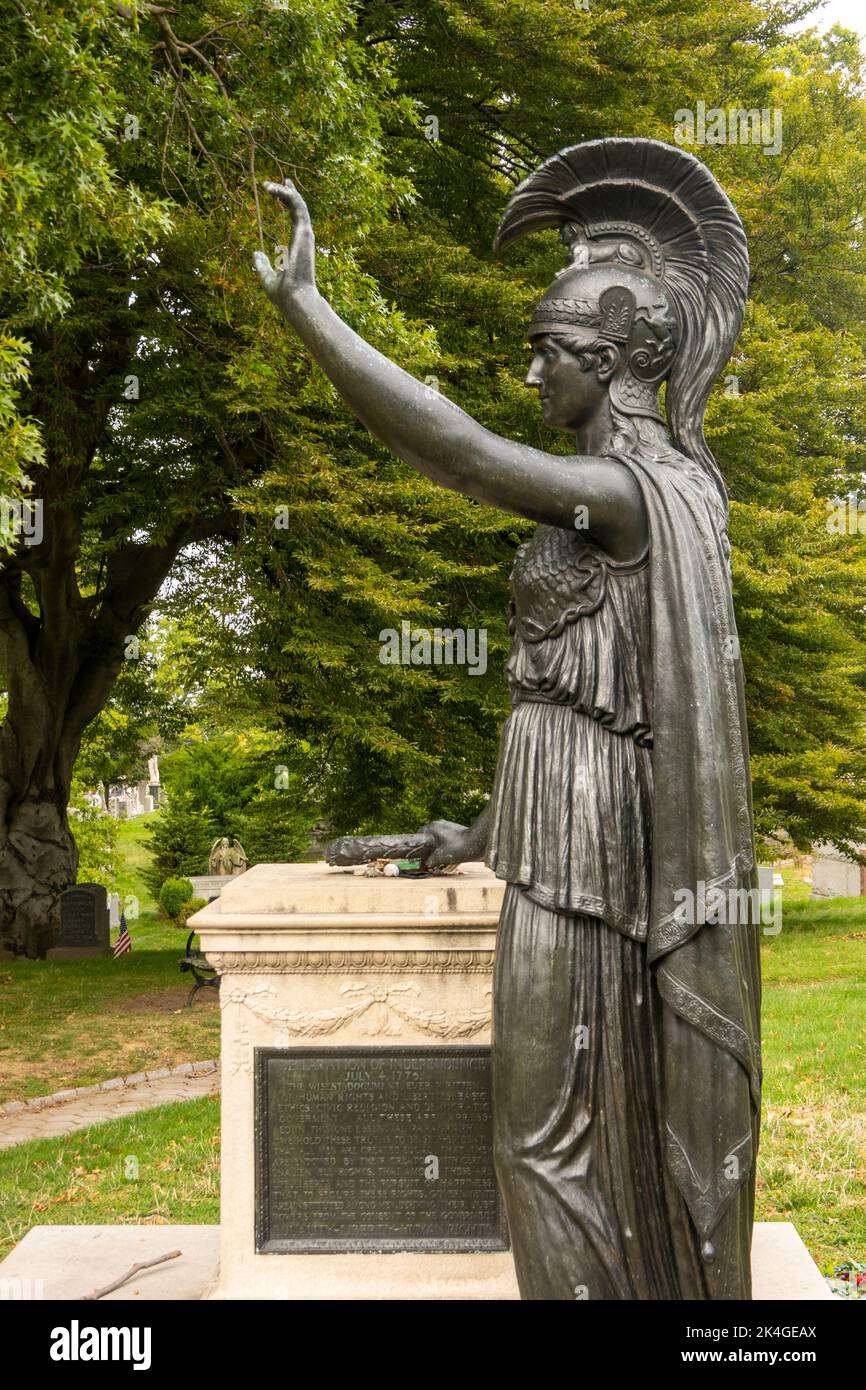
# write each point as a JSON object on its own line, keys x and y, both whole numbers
{"x": 375, "y": 1149}
{"x": 834, "y": 875}
{"x": 84, "y": 923}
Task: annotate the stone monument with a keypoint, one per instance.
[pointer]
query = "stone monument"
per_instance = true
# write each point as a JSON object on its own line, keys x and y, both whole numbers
{"x": 84, "y": 924}
{"x": 357, "y": 1156}
{"x": 357, "y": 1143}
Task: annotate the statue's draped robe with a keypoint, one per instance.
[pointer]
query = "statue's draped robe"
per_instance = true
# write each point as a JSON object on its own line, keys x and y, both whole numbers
{"x": 628, "y": 1168}
{"x": 708, "y": 974}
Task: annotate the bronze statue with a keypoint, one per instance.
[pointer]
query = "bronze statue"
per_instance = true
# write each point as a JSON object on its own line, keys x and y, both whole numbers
{"x": 626, "y": 1064}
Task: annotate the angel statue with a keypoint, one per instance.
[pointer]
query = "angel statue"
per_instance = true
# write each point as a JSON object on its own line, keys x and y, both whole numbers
{"x": 626, "y": 1063}
{"x": 226, "y": 858}
{"x": 220, "y": 858}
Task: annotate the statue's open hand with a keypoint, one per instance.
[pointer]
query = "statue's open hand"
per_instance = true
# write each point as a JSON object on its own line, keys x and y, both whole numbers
{"x": 283, "y": 286}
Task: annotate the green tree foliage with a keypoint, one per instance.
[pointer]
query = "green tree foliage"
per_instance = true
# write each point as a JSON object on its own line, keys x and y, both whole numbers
{"x": 189, "y": 909}
{"x": 242, "y": 785}
{"x": 175, "y": 414}
{"x": 95, "y": 840}
{"x": 146, "y": 706}
{"x": 62, "y": 199}
{"x": 788, "y": 424}
{"x": 179, "y": 840}
{"x": 139, "y": 136}
{"x": 791, "y": 442}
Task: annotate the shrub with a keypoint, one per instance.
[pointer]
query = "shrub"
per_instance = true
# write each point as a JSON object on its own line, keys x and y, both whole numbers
{"x": 174, "y": 895}
{"x": 188, "y": 909}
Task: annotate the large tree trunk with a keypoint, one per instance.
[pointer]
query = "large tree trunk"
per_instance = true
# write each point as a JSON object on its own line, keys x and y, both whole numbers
{"x": 62, "y": 645}
{"x": 61, "y": 663}
{"x": 38, "y": 861}
{"x": 39, "y": 742}
{"x": 38, "y": 858}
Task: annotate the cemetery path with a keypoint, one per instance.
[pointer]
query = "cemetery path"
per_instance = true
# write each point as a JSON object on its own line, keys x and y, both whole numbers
{"x": 108, "y": 1101}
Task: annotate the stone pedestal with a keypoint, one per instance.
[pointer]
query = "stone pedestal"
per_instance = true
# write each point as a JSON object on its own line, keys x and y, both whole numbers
{"x": 316, "y": 957}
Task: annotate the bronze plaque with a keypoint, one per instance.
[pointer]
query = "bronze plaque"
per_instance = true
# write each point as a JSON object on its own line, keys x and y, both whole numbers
{"x": 375, "y": 1149}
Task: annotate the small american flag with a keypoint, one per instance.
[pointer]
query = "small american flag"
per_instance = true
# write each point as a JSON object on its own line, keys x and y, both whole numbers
{"x": 124, "y": 940}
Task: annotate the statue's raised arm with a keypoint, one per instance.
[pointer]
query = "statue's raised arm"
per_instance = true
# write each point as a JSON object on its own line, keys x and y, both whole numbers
{"x": 435, "y": 436}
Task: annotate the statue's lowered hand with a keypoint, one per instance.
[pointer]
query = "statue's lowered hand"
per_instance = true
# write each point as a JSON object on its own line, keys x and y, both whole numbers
{"x": 437, "y": 844}
{"x": 286, "y": 285}
{"x": 362, "y": 849}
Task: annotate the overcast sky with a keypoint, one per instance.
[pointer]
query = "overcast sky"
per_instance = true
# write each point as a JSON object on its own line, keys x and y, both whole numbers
{"x": 851, "y": 13}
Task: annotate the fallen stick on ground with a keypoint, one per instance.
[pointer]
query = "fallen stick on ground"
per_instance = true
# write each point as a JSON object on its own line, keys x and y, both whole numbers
{"x": 145, "y": 1264}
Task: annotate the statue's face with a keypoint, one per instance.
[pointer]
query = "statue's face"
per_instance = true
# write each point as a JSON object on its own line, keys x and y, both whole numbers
{"x": 570, "y": 396}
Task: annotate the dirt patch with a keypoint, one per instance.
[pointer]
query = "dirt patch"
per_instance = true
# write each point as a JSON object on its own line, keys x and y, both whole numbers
{"x": 17, "y": 1068}
{"x": 166, "y": 1001}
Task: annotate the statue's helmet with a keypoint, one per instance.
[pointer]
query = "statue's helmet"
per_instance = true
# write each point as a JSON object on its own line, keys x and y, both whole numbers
{"x": 658, "y": 264}
{"x": 624, "y": 304}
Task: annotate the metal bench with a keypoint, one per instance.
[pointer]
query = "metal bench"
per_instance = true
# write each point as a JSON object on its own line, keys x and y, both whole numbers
{"x": 195, "y": 962}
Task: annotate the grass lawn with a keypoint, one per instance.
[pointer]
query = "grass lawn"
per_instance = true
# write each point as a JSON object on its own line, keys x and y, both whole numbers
{"x": 150, "y": 927}
{"x": 159, "y": 1167}
{"x": 76, "y": 1019}
{"x": 812, "y": 1162}
{"x": 72, "y": 1023}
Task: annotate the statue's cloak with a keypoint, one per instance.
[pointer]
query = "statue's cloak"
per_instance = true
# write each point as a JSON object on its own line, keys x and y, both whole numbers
{"x": 708, "y": 973}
